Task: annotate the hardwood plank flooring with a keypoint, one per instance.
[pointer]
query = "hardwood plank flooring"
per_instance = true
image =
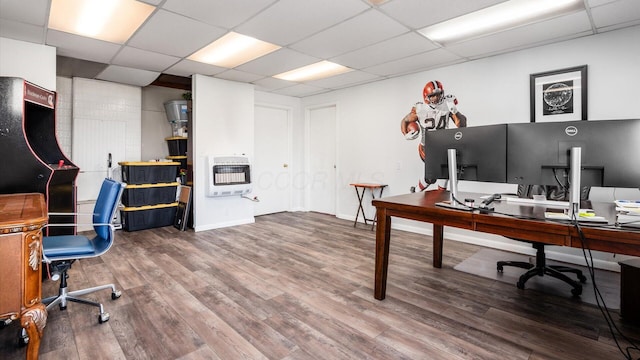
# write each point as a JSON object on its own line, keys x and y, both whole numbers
{"x": 300, "y": 286}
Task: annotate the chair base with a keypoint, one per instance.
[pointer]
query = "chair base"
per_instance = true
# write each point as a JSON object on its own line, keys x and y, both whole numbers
{"x": 541, "y": 269}
{"x": 64, "y": 296}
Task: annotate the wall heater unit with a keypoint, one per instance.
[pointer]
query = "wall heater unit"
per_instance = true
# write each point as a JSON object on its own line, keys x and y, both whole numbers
{"x": 229, "y": 176}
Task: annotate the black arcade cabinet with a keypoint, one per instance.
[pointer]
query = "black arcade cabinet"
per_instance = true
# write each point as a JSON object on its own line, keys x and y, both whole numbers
{"x": 31, "y": 159}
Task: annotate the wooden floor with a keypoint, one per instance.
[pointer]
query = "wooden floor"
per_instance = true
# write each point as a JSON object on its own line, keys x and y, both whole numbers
{"x": 299, "y": 286}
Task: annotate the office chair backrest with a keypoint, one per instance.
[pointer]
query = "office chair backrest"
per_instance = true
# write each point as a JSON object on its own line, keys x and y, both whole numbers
{"x": 106, "y": 207}
{"x": 550, "y": 192}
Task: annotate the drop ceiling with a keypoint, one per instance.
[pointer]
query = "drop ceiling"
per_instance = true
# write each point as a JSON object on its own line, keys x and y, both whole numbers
{"x": 377, "y": 39}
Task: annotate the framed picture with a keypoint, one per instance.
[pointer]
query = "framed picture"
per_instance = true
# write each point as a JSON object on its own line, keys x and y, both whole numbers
{"x": 559, "y": 95}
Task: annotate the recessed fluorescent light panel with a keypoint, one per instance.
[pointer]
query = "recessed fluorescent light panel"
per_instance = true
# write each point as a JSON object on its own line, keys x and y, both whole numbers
{"x": 509, "y": 14}
{"x": 233, "y": 50}
{"x": 109, "y": 20}
{"x": 315, "y": 71}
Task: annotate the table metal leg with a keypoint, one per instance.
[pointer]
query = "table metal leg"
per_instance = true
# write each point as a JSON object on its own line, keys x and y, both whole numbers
{"x": 360, "y": 208}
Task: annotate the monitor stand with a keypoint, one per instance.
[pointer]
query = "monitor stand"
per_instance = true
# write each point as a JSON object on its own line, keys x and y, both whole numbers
{"x": 574, "y": 194}
{"x": 453, "y": 184}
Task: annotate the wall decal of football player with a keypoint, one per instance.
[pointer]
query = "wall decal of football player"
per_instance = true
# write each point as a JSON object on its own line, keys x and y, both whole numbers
{"x": 432, "y": 114}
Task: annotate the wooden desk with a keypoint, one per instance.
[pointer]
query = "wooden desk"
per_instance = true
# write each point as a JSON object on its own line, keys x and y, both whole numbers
{"x": 21, "y": 219}
{"x": 364, "y": 186}
{"x": 421, "y": 207}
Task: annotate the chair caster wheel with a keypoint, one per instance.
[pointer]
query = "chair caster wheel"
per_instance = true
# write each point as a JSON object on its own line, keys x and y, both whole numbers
{"x": 116, "y": 294}
{"x": 500, "y": 268}
{"x": 520, "y": 285}
{"x": 23, "y": 339}
{"x": 582, "y": 278}
{"x": 103, "y": 318}
{"x": 62, "y": 308}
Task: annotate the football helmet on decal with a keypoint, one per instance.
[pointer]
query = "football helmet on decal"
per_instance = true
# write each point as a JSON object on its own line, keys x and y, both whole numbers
{"x": 433, "y": 88}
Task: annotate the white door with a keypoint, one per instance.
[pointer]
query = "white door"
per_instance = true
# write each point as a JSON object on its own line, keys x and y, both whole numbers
{"x": 321, "y": 159}
{"x": 270, "y": 174}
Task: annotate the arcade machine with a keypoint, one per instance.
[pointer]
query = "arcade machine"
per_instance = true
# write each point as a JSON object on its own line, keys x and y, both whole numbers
{"x": 32, "y": 160}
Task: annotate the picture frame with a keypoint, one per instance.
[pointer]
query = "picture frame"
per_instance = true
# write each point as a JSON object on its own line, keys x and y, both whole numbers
{"x": 559, "y": 95}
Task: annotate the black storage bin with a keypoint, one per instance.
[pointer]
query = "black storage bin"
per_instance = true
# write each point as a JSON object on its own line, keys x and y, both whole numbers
{"x": 149, "y": 172}
{"x": 147, "y": 217}
{"x": 149, "y": 194}
{"x": 177, "y": 145}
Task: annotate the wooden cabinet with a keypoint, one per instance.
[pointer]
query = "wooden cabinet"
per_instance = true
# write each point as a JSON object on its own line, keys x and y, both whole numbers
{"x": 22, "y": 217}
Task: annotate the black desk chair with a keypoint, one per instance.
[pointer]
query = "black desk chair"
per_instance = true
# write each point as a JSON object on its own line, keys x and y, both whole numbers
{"x": 541, "y": 267}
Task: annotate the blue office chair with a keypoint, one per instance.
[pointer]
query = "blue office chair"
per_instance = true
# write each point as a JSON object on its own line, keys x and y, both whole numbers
{"x": 62, "y": 250}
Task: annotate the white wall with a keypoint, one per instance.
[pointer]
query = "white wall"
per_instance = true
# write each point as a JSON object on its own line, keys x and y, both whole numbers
{"x": 64, "y": 114}
{"x": 222, "y": 125}
{"x": 155, "y": 126}
{"x": 32, "y": 62}
{"x": 106, "y": 119}
{"x": 490, "y": 91}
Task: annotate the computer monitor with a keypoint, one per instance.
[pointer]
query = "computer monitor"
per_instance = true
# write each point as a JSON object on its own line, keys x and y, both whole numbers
{"x": 481, "y": 153}
{"x": 539, "y": 153}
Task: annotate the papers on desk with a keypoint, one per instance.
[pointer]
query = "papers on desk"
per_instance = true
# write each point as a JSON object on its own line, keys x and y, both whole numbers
{"x": 628, "y": 213}
{"x": 633, "y": 204}
{"x": 628, "y": 207}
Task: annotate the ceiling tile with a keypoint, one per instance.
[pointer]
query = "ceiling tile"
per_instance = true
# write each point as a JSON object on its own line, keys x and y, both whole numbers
{"x": 129, "y": 76}
{"x": 32, "y": 12}
{"x": 173, "y": 34}
{"x": 288, "y": 21}
{"x": 278, "y": 62}
{"x": 420, "y": 13}
{"x": 152, "y": 2}
{"x": 240, "y": 76}
{"x": 350, "y": 35}
{"x": 81, "y": 47}
{"x": 345, "y": 80}
{"x": 401, "y": 46}
{"x": 415, "y": 63}
{"x": 143, "y": 59}
{"x": 21, "y": 31}
{"x": 375, "y": 41}
{"x": 189, "y": 67}
{"x": 222, "y": 13}
{"x": 72, "y": 67}
{"x": 271, "y": 83}
{"x": 302, "y": 90}
{"x": 621, "y": 11}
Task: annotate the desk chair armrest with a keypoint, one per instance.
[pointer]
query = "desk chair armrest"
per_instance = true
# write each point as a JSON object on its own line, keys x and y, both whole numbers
{"x": 70, "y": 213}
{"x": 76, "y": 224}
